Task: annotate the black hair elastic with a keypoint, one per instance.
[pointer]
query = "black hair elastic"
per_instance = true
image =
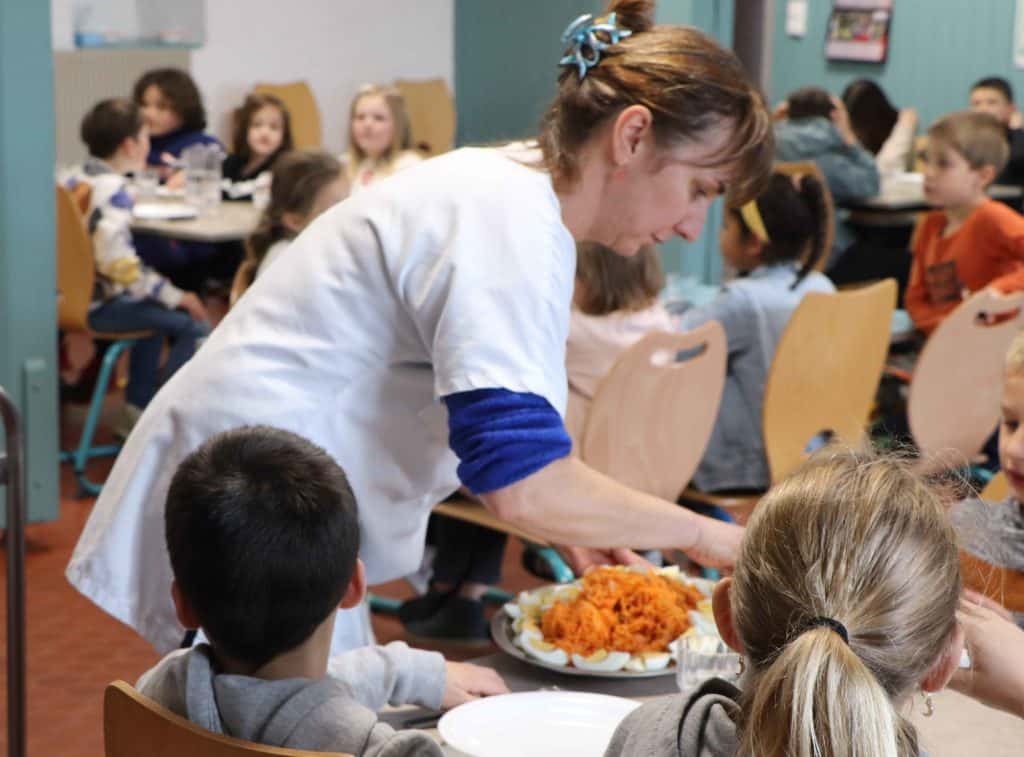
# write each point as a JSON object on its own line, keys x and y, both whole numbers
{"x": 832, "y": 623}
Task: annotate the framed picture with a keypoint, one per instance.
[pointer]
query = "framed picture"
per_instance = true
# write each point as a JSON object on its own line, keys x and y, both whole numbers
{"x": 858, "y": 30}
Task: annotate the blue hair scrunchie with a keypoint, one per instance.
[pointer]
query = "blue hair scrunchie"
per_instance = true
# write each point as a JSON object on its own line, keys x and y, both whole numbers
{"x": 586, "y": 47}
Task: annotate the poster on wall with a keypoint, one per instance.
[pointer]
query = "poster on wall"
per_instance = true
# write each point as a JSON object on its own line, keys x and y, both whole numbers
{"x": 858, "y": 30}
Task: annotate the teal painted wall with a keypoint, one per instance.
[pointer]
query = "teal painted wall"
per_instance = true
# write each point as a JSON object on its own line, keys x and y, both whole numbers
{"x": 937, "y": 49}
{"x": 27, "y": 261}
{"x": 506, "y": 57}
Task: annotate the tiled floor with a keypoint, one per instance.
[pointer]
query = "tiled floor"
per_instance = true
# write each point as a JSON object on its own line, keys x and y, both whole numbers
{"x": 74, "y": 649}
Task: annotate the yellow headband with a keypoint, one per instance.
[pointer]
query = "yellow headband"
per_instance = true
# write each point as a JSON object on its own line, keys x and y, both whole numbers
{"x": 752, "y": 218}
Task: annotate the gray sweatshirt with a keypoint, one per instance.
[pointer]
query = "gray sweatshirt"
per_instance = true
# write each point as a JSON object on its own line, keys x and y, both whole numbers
{"x": 334, "y": 714}
{"x": 700, "y": 725}
{"x": 993, "y": 532}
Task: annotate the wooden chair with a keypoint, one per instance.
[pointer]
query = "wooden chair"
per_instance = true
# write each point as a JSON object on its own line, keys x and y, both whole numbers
{"x": 651, "y": 419}
{"x": 797, "y": 168}
{"x": 76, "y": 274}
{"x": 136, "y": 726}
{"x": 997, "y": 489}
{"x": 955, "y": 389}
{"x": 431, "y": 112}
{"x": 302, "y": 108}
{"x": 822, "y": 380}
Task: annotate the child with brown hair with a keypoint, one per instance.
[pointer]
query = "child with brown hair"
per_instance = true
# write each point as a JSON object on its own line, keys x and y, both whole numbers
{"x": 262, "y": 133}
{"x": 775, "y": 243}
{"x": 173, "y": 108}
{"x": 304, "y": 184}
{"x": 843, "y": 606}
{"x": 379, "y": 136}
{"x": 969, "y": 241}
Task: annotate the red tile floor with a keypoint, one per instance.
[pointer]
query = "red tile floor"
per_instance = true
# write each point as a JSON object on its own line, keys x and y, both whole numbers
{"x": 75, "y": 649}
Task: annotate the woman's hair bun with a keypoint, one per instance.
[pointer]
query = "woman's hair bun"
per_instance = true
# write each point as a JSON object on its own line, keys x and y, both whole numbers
{"x": 635, "y": 15}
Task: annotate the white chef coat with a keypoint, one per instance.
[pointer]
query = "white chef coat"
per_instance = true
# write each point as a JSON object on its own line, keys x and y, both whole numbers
{"x": 453, "y": 275}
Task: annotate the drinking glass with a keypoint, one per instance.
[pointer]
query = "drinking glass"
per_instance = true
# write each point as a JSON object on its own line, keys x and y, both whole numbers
{"x": 704, "y": 657}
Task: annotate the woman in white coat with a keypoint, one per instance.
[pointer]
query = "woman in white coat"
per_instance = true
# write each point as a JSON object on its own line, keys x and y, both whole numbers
{"x": 417, "y": 331}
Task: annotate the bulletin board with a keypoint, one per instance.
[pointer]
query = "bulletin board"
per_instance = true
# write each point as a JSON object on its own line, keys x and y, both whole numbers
{"x": 858, "y": 30}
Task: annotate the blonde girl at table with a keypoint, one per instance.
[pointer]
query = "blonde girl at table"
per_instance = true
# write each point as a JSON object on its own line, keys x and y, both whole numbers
{"x": 843, "y": 607}
{"x": 303, "y": 185}
{"x": 418, "y": 332}
{"x": 379, "y": 136}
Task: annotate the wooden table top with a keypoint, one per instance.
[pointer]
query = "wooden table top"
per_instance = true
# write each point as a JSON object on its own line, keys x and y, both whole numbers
{"x": 230, "y": 221}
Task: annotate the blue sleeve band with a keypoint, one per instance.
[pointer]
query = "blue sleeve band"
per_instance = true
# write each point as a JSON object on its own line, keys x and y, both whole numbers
{"x": 502, "y": 437}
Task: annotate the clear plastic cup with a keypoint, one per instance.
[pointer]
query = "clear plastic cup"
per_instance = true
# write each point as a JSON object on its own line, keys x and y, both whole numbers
{"x": 704, "y": 657}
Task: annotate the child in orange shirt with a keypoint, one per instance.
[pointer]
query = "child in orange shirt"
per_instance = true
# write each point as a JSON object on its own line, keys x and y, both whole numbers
{"x": 970, "y": 241}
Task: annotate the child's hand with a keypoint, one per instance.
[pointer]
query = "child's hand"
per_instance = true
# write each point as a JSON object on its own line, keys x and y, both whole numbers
{"x": 996, "y": 646}
{"x": 176, "y": 180}
{"x": 192, "y": 305}
{"x": 465, "y": 682}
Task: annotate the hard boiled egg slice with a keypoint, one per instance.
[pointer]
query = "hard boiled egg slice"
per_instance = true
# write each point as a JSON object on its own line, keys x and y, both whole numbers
{"x": 512, "y": 610}
{"x": 669, "y": 571}
{"x": 601, "y": 661}
{"x": 703, "y": 624}
{"x": 655, "y": 660}
{"x": 541, "y": 650}
{"x": 635, "y": 664}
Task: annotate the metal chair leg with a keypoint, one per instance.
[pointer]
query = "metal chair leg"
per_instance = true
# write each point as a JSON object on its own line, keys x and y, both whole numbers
{"x": 85, "y": 451}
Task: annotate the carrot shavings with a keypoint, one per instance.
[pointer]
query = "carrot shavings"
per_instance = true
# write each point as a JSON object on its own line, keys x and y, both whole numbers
{"x": 621, "y": 610}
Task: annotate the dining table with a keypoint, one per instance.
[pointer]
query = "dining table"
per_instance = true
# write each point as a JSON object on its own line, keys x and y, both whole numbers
{"x": 228, "y": 221}
{"x": 902, "y": 198}
{"x": 960, "y": 726}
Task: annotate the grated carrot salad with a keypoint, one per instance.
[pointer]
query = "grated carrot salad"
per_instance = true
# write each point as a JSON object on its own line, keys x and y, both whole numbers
{"x": 623, "y": 611}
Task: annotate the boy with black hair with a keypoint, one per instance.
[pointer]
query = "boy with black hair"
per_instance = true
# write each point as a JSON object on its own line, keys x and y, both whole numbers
{"x": 994, "y": 95}
{"x": 128, "y": 296}
{"x": 263, "y": 539}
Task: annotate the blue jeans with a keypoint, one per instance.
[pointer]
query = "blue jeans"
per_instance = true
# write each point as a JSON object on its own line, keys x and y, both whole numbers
{"x": 126, "y": 314}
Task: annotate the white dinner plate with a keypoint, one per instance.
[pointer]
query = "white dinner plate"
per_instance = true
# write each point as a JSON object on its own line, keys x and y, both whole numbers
{"x": 163, "y": 211}
{"x": 168, "y": 192}
{"x": 563, "y": 723}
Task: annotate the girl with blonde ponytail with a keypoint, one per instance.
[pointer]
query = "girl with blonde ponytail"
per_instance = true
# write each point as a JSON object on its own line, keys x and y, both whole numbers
{"x": 843, "y": 605}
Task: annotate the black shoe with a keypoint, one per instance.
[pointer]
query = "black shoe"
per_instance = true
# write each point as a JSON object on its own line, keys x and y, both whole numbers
{"x": 419, "y": 608}
{"x": 457, "y": 619}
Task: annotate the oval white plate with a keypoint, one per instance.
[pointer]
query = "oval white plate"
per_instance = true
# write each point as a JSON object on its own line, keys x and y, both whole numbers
{"x": 564, "y": 723}
{"x": 163, "y": 211}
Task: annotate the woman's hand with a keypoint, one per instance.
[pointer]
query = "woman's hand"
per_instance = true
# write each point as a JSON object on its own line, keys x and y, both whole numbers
{"x": 582, "y": 559}
{"x": 996, "y": 646}
{"x": 465, "y": 682}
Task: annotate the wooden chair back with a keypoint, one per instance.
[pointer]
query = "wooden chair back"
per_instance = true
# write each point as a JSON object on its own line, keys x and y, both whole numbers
{"x": 134, "y": 725}
{"x": 798, "y": 168}
{"x": 76, "y": 273}
{"x": 825, "y": 372}
{"x": 956, "y": 386}
{"x": 302, "y": 109}
{"x": 431, "y": 112}
{"x": 654, "y": 412}
{"x": 997, "y": 489}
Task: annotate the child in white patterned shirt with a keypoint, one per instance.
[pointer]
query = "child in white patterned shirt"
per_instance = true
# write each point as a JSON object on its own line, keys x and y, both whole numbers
{"x": 127, "y": 295}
